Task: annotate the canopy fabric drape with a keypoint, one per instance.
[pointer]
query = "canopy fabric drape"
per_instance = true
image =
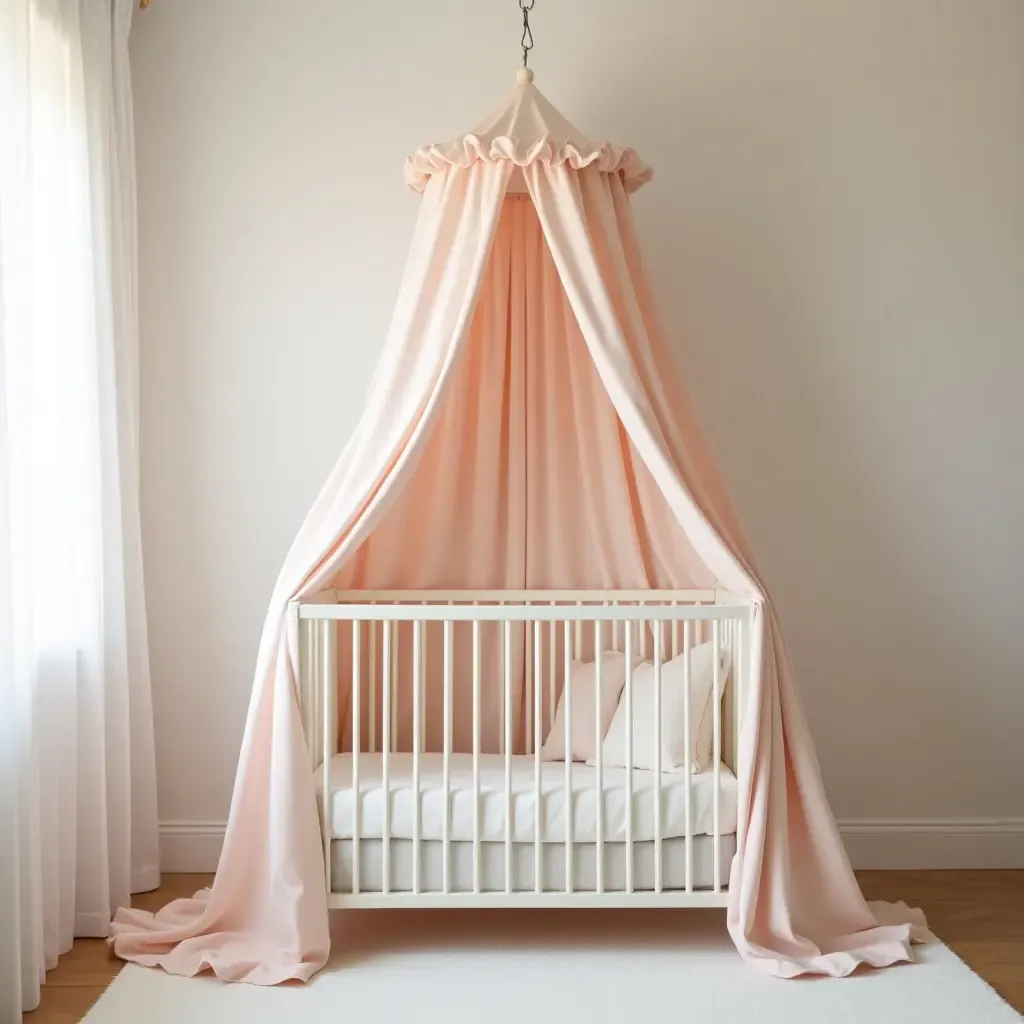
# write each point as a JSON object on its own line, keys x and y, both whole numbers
{"x": 78, "y": 814}
{"x": 495, "y": 427}
{"x": 265, "y": 918}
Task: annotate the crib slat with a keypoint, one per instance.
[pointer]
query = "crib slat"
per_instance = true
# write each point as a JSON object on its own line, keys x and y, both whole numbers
{"x": 501, "y": 688}
{"x": 301, "y": 625}
{"x": 476, "y": 756}
{"x": 528, "y": 688}
{"x": 446, "y": 771}
{"x": 675, "y": 633}
{"x": 567, "y": 700}
{"x": 599, "y": 747}
{"x": 538, "y": 698}
{"x": 642, "y": 627}
{"x": 316, "y": 668}
{"x": 688, "y": 755}
{"x": 578, "y": 638}
{"x": 307, "y": 676}
{"x": 423, "y": 696}
{"x": 657, "y": 759}
{"x": 385, "y": 748}
{"x": 716, "y": 718}
{"x": 356, "y": 727}
{"x": 330, "y": 669}
{"x": 628, "y": 697}
{"x": 371, "y": 738}
{"x": 508, "y": 756}
{"x": 742, "y": 667}
{"x": 396, "y": 638}
{"x": 417, "y": 699}
{"x": 729, "y": 651}
{"x": 306, "y": 687}
{"x": 552, "y": 681}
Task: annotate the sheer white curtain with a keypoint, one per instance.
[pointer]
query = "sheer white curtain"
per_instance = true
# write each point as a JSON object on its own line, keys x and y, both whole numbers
{"x": 78, "y": 829}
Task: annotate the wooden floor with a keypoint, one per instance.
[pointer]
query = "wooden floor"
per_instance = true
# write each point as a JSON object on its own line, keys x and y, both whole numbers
{"x": 978, "y": 914}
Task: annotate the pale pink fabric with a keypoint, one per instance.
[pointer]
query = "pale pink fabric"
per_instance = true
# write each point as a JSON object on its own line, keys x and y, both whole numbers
{"x": 265, "y": 918}
{"x": 795, "y": 906}
{"x": 526, "y": 480}
{"x": 525, "y": 428}
{"x": 525, "y": 129}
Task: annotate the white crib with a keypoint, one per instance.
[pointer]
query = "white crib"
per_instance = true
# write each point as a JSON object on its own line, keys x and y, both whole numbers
{"x": 492, "y": 824}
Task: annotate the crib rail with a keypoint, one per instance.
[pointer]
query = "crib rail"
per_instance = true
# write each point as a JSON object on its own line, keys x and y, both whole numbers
{"x": 511, "y": 651}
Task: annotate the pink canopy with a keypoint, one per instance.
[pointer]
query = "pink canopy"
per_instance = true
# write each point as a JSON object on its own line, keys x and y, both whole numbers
{"x": 525, "y": 429}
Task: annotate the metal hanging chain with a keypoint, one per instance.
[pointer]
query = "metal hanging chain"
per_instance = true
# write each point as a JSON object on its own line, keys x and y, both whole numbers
{"x": 527, "y": 41}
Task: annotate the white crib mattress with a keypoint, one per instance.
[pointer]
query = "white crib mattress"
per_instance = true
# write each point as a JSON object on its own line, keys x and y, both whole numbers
{"x": 492, "y": 800}
{"x": 492, "y": 866}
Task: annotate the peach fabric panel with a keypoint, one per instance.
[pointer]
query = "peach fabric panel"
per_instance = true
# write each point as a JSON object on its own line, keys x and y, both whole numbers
{"x": 795, "y": 906}
{"x": 527, "y": 480}
{"x": 264, "y": 920}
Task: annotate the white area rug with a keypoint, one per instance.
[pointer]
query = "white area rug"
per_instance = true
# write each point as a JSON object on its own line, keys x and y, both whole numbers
{"x": 626, "y": 967}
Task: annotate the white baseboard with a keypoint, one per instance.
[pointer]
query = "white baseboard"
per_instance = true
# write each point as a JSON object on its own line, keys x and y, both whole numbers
{"x": 194, "y": 846}
{"x": 933, "y": 844}
{"x": 190, "y": 846}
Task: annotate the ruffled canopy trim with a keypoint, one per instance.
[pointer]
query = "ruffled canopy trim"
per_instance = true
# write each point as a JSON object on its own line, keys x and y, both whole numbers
{"x": 526, "y": 129}
{"x": 471, "y": 149}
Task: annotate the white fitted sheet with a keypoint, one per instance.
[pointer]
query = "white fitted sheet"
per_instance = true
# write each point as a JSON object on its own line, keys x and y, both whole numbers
{"x": 492, "y": 866}
{"x": 492, "y": 800}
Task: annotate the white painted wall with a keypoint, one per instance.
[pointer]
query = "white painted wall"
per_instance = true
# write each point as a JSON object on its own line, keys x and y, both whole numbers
{"x": 835, "y": 232}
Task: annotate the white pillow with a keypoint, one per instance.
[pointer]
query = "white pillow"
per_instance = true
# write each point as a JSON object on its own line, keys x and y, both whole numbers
{"x": 673, "y": 736}
{"x": 582, "y": 676}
